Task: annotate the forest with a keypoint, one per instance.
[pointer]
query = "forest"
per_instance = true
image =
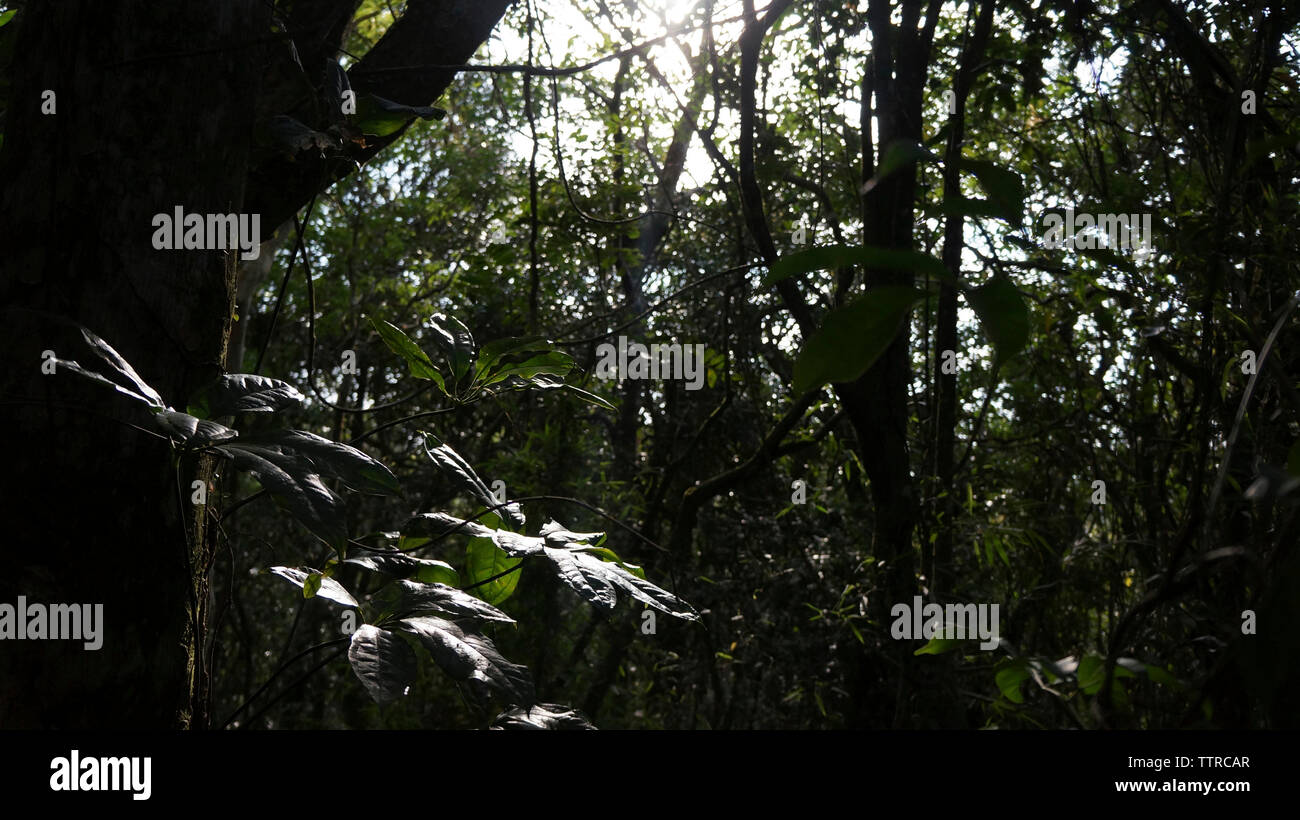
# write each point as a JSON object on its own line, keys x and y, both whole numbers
{"x": 650, "y": 364}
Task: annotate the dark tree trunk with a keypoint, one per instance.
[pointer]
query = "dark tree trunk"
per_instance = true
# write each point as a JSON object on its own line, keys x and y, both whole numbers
{"x": 156, "y": 105}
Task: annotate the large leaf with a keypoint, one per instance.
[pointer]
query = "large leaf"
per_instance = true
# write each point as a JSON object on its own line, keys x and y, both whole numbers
{"x": 483, "y": 560}
{"x": 416, "y": 359}
{"x": 328, "y": 589}
{"x": 542, "y": 716}
{"x": 383, "y": 661}
{"x": 380, "y": 117}
{"x": 471, "y": 658}
{"x": 510, "y": 349}
{"x": 595, "y": 579}
{"x": 1005, "y": 188}
{"x": 439, "y": 525}
{"x": 246, "y": 393}
{"x": 551, "y": 363}
{"x": 1002, "y": 312}
{"x": 852, "y": 337}
{"x": 841, "y": 256}
{"x": 348, "y": 464}
{"x": 455, "y": 342}
{"x": 443, "y": 599}
{"x": 292, "y": 479}
{"x": 193, "y": 431}
{"x": 400, "y": 565}
{"x": 450, "y": 461}
{"x": 1010, "y": 677}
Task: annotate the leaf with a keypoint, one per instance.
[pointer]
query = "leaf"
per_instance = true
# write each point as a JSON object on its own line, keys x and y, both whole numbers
{"x": 93, "y": 376}
{"x": 484, "y": 559}
{"x": 7, "y": 16}
{"x": 416, "y": 359}
{"x": 400, "y": 565}
{"x": 246, "y": 393}
{"x": 380, "y": 117}
{"x": 852, "y": 337}
{"x": 383, "y": 662}
{"x": 417, "y": 597}
{"x": 191, "y": 430}
{"x": 1002, "y": 312}
{"x": 500, "y": 350}
{"x": 542, "y": 716}
{"x": 439, "y": 525}
{"x": 596, "y": 580}
{"x": 292, "y": 479}
{"x": 1009, "y": 679}
{"x": 841, "y": 256}
{"x": 1091, "y": 671}
{"x": 896, "y": 155}
{"x": 106, "y": 352}
{"x": 967, "y": 207}
{"x": 552, "y": 363}
{"x": 938, "y": 646}
{"x": 471, "y": 658}
{"x": 455, "y": 342}
{"x": 1005, "y": 188}
{"x": 292, "y": 137}
{"x": 449, "y": 460}
{"x": 328, "y": 588}
{"x": 331, "y": 458}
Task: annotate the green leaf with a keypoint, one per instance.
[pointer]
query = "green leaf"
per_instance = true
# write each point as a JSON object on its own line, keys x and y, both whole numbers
{"x": 1091, "y": 672}
{"x": 1005, "y": 188}
{"x": 852, "y": 337}
{"x": 383, "y": 662}
{"x": 455, "y": 342}
{"x": 551, "y": 363}
{"x": 1002, "y": 312}
{"x": 312, "y": 585}
{"x": 841, "y": 256}
{"x": 380, "y": 117}
{"x": 1009, "y": 679}
{"x": 484, "y": 559}
{"x": 509, "y": 348}
{"x": 321, "y": 587}
{"x": 401, "y": 344}
{"x": 7, "y": 16}
{"x": 938, "y": 646}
